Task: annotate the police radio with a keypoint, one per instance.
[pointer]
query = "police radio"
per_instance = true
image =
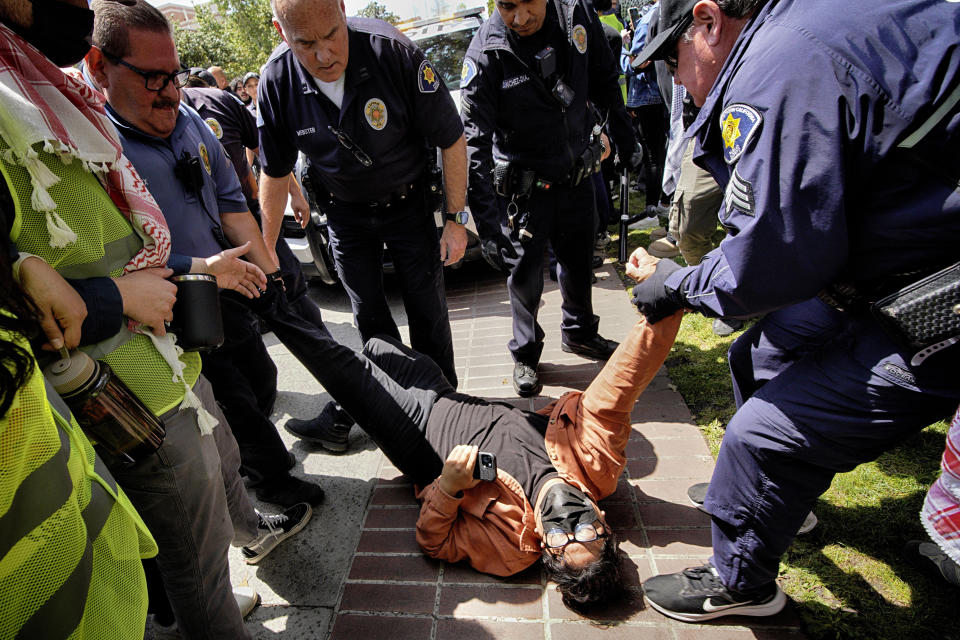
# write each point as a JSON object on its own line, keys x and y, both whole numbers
{"x": 547, "y": 68}
{"x": 189, "y": 172}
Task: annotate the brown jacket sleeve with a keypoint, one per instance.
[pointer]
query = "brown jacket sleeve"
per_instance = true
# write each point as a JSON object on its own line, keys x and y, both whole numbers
{"x": 587, "y": 434}
{"x": 491, "y": 526}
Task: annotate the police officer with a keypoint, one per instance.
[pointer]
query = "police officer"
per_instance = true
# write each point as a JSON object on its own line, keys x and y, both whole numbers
{"x": 236, "y": 128}
{"x": 366, "y": 108}
{"x": 846, "y": 189}
{"x": 526, "y": 81}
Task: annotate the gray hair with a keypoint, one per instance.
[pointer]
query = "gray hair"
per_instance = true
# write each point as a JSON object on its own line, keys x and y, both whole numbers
{"x": 113, "y": 20}
{"x": 732, "y": 9}
{"x": 739, "y": 8}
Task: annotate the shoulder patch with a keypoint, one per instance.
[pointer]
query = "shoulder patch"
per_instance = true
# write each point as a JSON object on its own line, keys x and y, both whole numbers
{"x": 375, "y": 111}
{"x": 739, "y": 195}
{"x": 427, "y": 78}
{"x": 215, "y": 127}
{"x": 738, "y": 124}
{"x": 468, "y": 72}
{"x": 580, "y": 38}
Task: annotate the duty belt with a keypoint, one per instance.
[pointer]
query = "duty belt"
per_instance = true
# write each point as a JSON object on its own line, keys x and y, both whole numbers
{"x": 395, "y": 197}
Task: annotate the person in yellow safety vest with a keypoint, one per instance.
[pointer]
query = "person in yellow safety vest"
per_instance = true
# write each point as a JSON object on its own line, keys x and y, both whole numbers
{"x": 70, "y": 541}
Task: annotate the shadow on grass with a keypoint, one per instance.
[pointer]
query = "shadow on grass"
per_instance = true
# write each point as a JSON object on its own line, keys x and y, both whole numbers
{"x": 926, "y": 608}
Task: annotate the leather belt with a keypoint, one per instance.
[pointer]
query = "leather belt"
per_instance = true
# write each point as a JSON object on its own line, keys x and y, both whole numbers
{"x": 395, "y": 197}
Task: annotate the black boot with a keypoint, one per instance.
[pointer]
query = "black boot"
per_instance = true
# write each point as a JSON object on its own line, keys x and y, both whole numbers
{"x": 330, "y": 429}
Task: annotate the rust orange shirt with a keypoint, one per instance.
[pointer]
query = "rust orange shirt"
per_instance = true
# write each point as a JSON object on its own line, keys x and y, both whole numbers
{"x": 492, "y": 525}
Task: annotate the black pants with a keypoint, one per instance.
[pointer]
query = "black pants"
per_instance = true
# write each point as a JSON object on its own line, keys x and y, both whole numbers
{"x": 565, "y": 216}
{"x": 244, "y": 377}
{"x": 358, "y": 234}
{"x": 244, "y": 380}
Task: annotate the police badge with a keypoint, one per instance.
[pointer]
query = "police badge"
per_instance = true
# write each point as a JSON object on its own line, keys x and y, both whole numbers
{"x": 205, "y": 157}
{"x": 376, "y": 113}
{"x": 215, "y": 127}
{"x": 580, "y": 38}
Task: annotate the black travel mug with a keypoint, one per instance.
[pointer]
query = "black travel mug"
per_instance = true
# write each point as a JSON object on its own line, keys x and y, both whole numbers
{"x": 197, "y": 322}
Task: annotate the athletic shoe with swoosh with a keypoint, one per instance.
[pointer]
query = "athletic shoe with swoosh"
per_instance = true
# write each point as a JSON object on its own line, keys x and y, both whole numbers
{"x": 696, "y": 594}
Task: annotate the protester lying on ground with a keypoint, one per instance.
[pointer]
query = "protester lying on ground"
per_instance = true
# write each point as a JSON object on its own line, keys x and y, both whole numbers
{"x": 552, "y": 466}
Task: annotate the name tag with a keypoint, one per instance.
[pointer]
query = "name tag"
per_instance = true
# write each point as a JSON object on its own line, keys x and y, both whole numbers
{"x": 516, "y": 81}
{"x": 304, "y": 132}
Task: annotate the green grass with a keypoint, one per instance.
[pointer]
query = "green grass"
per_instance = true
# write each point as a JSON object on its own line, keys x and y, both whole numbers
{"x": 846, "y": 578}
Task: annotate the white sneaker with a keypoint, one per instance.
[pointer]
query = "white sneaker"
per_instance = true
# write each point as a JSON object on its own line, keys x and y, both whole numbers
{"x": 644, "y": 223}
{"x": 247, "y": 599}
{"x": 275, "y": 529}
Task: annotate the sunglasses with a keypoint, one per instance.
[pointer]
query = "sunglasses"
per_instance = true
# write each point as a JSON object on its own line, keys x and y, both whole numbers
{"x": 671, "y": 55}
{"x": 348, "y": 144}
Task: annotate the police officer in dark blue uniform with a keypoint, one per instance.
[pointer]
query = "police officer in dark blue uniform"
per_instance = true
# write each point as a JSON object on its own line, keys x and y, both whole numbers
{"x": 837, "y": 195}
{"x": 368, "y": 129}
{"x": 533, "y": 144}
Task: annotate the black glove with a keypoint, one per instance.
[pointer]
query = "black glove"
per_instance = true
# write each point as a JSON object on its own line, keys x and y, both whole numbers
{"x": 271, "y": 297}
{"x": 652, "y": 297}
{"x": 496, "y": 249}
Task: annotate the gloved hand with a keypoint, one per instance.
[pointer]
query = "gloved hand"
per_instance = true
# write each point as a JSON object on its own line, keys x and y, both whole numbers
{"x": 271, "y": 297}
{"x": 652, "y": 297}
{"x": 496, "y": 249}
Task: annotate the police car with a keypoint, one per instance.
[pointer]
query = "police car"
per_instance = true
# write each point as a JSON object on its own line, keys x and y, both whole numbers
{"x": 444, "y": 41}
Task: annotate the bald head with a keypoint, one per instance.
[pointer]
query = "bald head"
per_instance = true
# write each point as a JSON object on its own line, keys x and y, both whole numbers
{"x": 316, "y": 32}
{"x": 286, "y": 10}
{"x": 219, "y": 76}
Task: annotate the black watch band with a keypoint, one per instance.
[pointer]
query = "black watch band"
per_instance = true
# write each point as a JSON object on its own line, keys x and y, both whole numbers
{"x": 460, "y": 217}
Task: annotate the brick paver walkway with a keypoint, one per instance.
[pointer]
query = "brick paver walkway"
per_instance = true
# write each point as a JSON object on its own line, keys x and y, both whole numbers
{"x": 393, "y": 592}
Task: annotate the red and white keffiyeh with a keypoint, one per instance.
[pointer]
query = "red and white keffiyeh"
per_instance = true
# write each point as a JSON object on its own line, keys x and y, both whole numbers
{"x": 941, "y": 508}
{"x": 40, "y": 103}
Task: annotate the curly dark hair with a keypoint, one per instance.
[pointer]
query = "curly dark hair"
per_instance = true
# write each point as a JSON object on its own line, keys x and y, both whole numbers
{"x": 582, "y": 589}
{"x": 16, "y": 363}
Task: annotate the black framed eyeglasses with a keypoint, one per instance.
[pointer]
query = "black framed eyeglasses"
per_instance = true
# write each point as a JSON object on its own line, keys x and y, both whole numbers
{"x": 351, "y": 146}
{"x": 557, "y": 539}
{"x": 153, "y": 80}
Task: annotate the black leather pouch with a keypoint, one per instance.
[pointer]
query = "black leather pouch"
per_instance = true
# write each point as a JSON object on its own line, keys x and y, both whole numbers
{"x": 925, "y": 313}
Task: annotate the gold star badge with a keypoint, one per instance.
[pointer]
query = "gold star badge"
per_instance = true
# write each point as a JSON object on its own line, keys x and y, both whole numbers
{"x": 429, "y": 76}
{"x": 731, "y": 130}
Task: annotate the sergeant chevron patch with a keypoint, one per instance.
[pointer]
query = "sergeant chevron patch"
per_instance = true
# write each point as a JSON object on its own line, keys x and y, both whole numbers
{"x": 739, "y": 195}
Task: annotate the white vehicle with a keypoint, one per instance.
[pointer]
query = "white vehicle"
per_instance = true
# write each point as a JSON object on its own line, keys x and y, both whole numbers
{"x": 444, "y": 41}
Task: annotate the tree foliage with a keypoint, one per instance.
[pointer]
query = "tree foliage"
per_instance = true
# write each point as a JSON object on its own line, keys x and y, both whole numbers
{"x": 376, "y": 10}
{"x": 237, "y": 35}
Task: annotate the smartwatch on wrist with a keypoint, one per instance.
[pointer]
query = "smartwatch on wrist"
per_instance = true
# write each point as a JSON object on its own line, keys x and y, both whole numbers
{"x": 460, "y": 217}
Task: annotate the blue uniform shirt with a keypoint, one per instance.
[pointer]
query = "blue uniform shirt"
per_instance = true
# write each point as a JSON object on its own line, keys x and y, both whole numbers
{"x": 395, "y": 106}
{"x": 192, "y": 222}
{"x": 799, "y": 130}
{"x": 232, "y": 123}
